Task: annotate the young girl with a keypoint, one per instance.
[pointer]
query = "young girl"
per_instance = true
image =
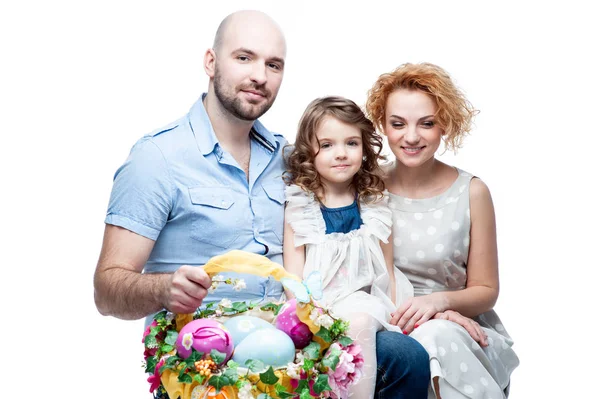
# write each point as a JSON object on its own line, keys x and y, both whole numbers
{"x": 445, "y": 234}
{"x": 337, "y": 222}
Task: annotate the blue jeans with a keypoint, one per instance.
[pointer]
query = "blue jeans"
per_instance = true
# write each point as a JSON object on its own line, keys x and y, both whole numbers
{"x": 402, "y": 367}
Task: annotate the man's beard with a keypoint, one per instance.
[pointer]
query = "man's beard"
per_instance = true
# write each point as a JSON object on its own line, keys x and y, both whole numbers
{"x": 235, "y": 106}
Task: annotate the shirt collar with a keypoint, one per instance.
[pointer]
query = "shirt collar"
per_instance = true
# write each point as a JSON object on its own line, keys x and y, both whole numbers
{"x": 205, "y": 135}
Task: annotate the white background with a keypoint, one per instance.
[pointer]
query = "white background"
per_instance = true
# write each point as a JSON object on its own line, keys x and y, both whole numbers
{"x": 80, "y": 82}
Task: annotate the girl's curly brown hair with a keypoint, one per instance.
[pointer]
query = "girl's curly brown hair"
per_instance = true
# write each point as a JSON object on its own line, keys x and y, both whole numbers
{"x": 454, "y": 112}
{"x": 301, "y": 159}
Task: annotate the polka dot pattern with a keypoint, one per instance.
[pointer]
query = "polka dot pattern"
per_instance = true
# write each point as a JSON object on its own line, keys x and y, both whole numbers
{"x": 435, "y": 240}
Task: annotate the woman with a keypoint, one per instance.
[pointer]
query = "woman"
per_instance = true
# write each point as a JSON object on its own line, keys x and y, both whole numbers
{"x": 444, "y": 234}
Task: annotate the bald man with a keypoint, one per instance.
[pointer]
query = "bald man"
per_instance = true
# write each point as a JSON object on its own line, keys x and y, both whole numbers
{"x": 205, "y": 184}
{"x": 211, "y": 182}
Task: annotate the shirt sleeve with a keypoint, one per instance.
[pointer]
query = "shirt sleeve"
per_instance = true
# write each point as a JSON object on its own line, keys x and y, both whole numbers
{"x": 141, "y": 197}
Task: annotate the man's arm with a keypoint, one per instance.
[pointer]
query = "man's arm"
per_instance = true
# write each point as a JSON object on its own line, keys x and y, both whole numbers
{"x": 121, "y": 290}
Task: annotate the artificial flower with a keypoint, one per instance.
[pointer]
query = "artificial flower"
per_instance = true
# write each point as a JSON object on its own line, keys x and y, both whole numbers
{"x": 188, "y": 340}
{"x": 347, "y": 372}
{"x": 239, "y": 285}
{"x": 154, "y": 379}
{"x": 225, "y": 303}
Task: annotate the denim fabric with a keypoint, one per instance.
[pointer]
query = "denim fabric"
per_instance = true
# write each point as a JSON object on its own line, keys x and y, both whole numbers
{"x": 402, "y": 367}
{"x": 341, "y": 220}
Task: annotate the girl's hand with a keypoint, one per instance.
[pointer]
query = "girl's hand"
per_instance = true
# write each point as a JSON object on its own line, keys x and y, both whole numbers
{"x": 472, "y": 327}
{"x": 418, "y": 310}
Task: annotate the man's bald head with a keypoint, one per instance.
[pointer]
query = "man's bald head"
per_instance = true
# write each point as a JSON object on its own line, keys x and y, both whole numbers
{"x": 245, "y": 20}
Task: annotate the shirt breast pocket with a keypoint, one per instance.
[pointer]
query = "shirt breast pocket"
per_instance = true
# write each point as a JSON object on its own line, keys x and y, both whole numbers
{"x": 274, "y": 208}
{"x": 214, "y": 216}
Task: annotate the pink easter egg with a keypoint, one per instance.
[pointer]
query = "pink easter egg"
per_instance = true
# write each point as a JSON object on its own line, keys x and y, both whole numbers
{"x": 204, "y": 335}
{"x": 288, "y": 322}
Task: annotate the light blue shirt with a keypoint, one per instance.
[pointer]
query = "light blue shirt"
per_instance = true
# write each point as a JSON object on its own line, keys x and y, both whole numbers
{"x": 180, "y": 188}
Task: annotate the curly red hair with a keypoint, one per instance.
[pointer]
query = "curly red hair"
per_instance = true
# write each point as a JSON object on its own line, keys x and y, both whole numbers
{"x": 454, "y": 112}
{"x": 301, "y": 159}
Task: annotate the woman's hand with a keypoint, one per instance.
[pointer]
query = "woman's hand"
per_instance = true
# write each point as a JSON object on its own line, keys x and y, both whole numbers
{"x": 416, "y": 311}
{"x": 472, "y": 327}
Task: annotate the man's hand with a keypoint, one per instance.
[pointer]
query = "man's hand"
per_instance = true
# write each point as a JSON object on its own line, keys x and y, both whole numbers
{"x": 186, "y": 289}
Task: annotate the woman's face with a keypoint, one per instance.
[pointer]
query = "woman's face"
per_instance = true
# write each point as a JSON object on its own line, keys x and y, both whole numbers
{"x": 410, "y": 126}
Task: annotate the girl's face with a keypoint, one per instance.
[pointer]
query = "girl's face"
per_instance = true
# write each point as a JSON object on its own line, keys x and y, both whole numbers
{"x": 413, "y": 134}
{"x": 339, "y": 151}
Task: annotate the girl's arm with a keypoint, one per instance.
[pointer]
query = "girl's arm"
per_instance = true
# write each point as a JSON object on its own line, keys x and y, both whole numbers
{"x": 482, "y": 286}
{"x": 388, "y": 255}
{"x": 293, "y": 257}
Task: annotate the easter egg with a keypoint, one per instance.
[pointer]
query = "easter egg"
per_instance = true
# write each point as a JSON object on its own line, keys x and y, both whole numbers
{"x": 204, "y": 335}
{"x": 240, "y": 326}
{"x": 269, "y": 345}
{"x": 288, "y": 322}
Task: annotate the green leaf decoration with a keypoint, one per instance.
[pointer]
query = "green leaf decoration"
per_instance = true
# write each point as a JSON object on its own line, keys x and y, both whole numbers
{"x": 302, "y": 385}
{"x": 170, "y": 363}
{"x": 151, "y": 365}
{"x": 321, "y": 384}
{"x": 171, "y": 337}
{"x": 240, "y": 383}
{"x": 166, "y": 348}
{"x": 217, "y": 357}
{"x": 282, "y": 392}
{"x": 160, "y": 315}
{"x": 269, "y": 377}
{"x": 219, "y": 381}
{"x": 194, "y": 357}
{"x": 199, "y": 378}
{"x": 150, "y": 341}
{"x": 231, "y": 374}
{"x": 307, "y": 364}
{"x": 232, "y": 365}
{"x": 154, "y": 330}
{"x": 345, "y": 341}
{"x": 324, "y": 334}
{"x": 312, "y": 350}
{"x": 331, "y": 361}
{"x": 255, "y": 365}
{"x": 239, "y": 306}
{"x": 184, "y": 376}
{"x": 275, "y": 308}
{"x": 305, "y": 394}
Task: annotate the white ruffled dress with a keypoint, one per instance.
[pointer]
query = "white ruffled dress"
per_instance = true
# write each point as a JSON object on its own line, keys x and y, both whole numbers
{"x": 352, "y": 266}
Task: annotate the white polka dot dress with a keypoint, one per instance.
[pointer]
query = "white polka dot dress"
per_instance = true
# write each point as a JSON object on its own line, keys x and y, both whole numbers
{"x": 434, "y": 236}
